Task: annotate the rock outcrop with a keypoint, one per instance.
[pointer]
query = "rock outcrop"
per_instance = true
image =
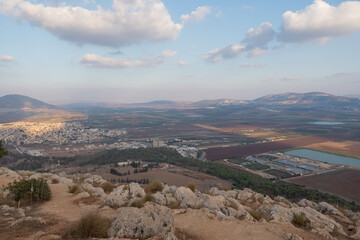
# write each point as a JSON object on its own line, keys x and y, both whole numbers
{"x": 152, "y": 220}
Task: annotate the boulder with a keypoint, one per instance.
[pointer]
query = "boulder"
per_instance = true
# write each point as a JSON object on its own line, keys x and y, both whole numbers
{"x": 152, "y": 220}
{"x": 169, "y": 189}
{"x": 292, "y": 236}
{"x": 245, "y": 194}
{"x": 357, "y": 231}
{"x": 159, "y": 198}
{"x": 307, "y": 203}
{"x": 118, "y": 197}
{"x": 277, "y": 213}
{"x": 93, "y": 191}
{"x": 215, "y": 203}
{"x": 95, "y": 180}
{"x": 186, "y": 197}
{"x": 135, "y": 190}
{"x": 9, "y": 173}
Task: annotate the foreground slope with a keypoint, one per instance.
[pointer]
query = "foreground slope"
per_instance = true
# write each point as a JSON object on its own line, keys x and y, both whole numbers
{"x": 169, "y": 212}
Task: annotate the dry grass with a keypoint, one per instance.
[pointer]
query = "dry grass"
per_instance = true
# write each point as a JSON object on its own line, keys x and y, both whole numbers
{"x": 139, "y": 203}
{"x": 300, "y": 221}
{"x": 191, "y": 186}
{"x": 154, "y": 187}
{"x": 108, "y": 187}
{"x": 148, "y": 198}
{"x": 174, "y": 205}
{"x": 258, "y": 216}
{"x": 54, "y": 181}
{"x": 74, "y": 189}
{"x": 90, "y": 225}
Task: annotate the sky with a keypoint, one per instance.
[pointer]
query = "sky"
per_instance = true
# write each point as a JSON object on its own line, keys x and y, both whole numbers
{"x": 124, "y": 51}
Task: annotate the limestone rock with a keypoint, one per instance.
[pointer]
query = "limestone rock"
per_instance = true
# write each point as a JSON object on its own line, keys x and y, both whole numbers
{"x": 159, "y": 198}
{"x": 152, "y": 220}
{"x": 291, "y": 236}
{"x": 93, "y": 191}
{"x": 186, "y": 197}
{"x": 118, "y": 197}
{"x": 277, "y": 213}
{"x": 307, "y": 203}
{"x": 169, "y": 190}
{"x": 135, "y": 190}
{"x": 245, "y": 194}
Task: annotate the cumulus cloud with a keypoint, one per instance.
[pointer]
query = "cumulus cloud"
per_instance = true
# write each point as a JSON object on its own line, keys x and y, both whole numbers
{"x": 197, "y": 15}
{"x": 126, "y": 23}
{"x": 97, "y": 61}
{"x": 252, "y": 65}
{"x": 168, "y": 53}
{"x": 260, "y": 37}
{"x": 231, "y": 51}
{"x": 320, "y": 21}
{"x": 255, "y": 44}
{"x": 6, "y": 58}
{"x": 182, "y": 63}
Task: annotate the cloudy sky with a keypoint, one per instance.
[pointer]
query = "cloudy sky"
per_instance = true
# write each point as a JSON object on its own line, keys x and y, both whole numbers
{"x": 142, "y": 50}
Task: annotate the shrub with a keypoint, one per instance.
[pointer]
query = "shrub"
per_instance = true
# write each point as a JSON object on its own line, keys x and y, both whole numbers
{"x": 154, "y": 187}
{"x": 191, "y": 186}
{"x": 90, "y": 225}
{"x": 107, "y": 187}
{"x": 30, "y": 190}
{"x": 300, "y": 220}
{"x": 54, "y": 181}
{"x": 139, "y": 203}
{"x": 174, "y": 205}
{"x": 258, "y": 216}
{"x": 148, "y": 198}
{"x": 74, "y": 189}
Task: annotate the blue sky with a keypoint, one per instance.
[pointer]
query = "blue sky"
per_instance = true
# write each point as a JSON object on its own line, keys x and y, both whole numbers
{"x": 143, "y": 50}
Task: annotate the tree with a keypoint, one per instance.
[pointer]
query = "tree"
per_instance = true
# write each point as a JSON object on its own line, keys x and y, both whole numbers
{"x": 3, "y": 152}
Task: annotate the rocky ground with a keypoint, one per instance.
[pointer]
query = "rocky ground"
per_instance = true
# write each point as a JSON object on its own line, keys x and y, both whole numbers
{"x": 169, "y": 213}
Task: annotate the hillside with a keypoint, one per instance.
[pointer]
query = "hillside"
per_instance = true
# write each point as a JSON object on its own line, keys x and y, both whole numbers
{"x": 20, "y": 101}
{"x": 159, "y": 211}
{"x": 312, "y": 99}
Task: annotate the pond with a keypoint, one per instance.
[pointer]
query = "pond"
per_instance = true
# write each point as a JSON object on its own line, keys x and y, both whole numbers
{"x": 325, "y": 157}
{"x": 327, "y": 123}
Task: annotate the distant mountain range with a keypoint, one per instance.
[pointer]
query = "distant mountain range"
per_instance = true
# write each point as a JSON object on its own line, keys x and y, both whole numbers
{"x": 15, "y": 101}
{"x": 303, "y": 100}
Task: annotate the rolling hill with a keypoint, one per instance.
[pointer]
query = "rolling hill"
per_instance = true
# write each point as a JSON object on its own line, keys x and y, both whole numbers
{"x": 20, "y": 101}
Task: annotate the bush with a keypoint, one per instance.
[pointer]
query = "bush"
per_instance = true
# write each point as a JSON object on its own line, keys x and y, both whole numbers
{"x": 154, "y": 187}
{"x": 108, "y": 187}
{"x": 191, "y": 186}
{"x": 148, "y": 198}
{"x": 90, "y": 225}
{"x": 300, "y": 220}
{"x": 139, "y": 203}
{"x": 74, "y": 189}
{"x": 258, "y": 216}
{"x": 30, "y": 190}
{"x": 54, "y": 181}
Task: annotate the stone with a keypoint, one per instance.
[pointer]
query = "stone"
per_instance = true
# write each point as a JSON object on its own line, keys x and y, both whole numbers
{"x": 93, "y": 191}
{"x": 215, "y": 203}
{"x": 135, "y": 190}
{"x": 245, "y": 194}
{"x": 292, "y": 236}
{"x": 277, "y": 213}
{"x": 307, "y": 203}
{"x": 159, "y": 198}
{"x": 151, "y": 220}
{"x": 186, "y": 197}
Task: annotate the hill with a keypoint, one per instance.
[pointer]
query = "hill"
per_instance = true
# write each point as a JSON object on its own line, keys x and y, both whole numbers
{"x": 20, "y": 101}
{"x": 218, "y": 102}
{"x": 312, "y": 99}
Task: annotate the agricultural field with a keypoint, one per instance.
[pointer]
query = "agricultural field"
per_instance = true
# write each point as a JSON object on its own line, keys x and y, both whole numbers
{"x": 258, "y": 148}
{"x": 278, "y": 173}
{"x": 257, "y": 166}
{"x": 344, "y": 183}
{"x": 346, "y": 148}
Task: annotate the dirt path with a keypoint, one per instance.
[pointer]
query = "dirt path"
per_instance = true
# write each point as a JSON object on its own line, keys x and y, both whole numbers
{"x": 199, "y": 226}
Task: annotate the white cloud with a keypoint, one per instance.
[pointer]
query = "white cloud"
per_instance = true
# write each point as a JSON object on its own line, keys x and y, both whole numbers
{"x": 255, "y": 44}
{"x": 197, "y": 15}
{"x": 252, "y": 65}
{"x": 6, "y": 58}
{"x": 321, "y": 21}
{"x": 231, "y": 51}
{"x": 260, "y": 37}
{"x": 97, "y": 61}
{"x": 290, "y": 78}
{"x": 168, "y": 53}
{"x": 182, "y": 63}
{"x": 129, "y": 21}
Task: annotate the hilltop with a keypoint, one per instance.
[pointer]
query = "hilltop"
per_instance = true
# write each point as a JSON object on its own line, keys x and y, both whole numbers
{"x": 312, "y": 99}
{"x": 20, "y": 101}
{"x": 159, "y": 211}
